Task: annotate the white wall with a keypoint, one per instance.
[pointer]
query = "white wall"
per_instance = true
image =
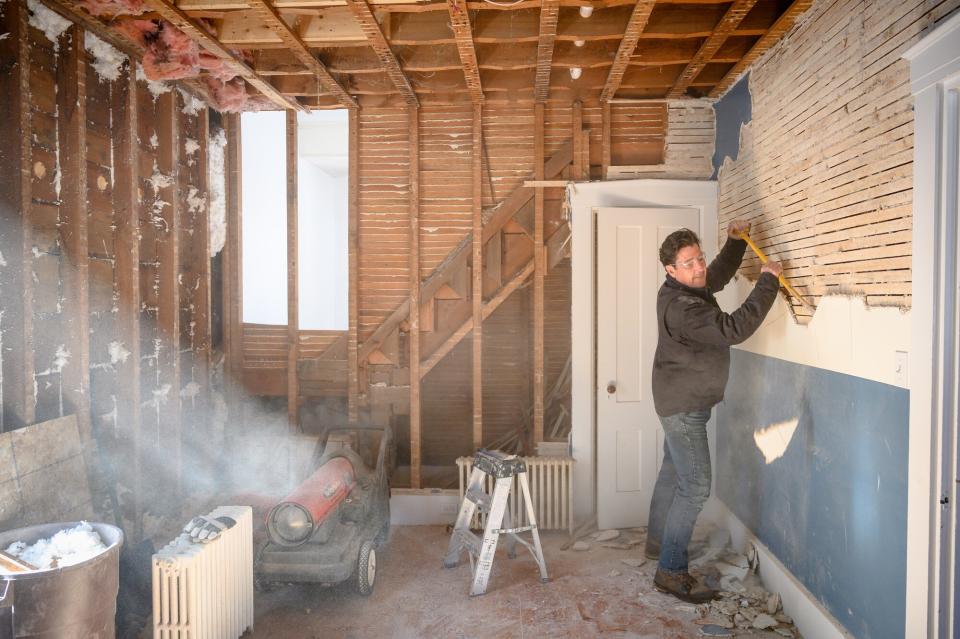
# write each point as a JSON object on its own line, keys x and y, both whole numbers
{"x": 264, "y": 194}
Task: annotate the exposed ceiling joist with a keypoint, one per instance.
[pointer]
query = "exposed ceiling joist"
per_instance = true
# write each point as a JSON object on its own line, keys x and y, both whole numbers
{"x": 182, "y": 21}
{"x": 549, "y": 15}
{"x": 270, "y": 16}
{"x": 368, "y": 23}
{"x": 783, "y": 24}
{"x": 636, "y": 25}
{"x": 730, "y": 21}
{"x": 460, "y": 21}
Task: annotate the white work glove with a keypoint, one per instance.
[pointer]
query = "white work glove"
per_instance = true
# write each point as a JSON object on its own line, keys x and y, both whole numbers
{"x": 205, "y": 529}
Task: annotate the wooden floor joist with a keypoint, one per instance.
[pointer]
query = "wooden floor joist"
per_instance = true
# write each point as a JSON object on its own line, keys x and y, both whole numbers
{"x": 549, "y": 15}
{"x": 460, "y": 21}
{"x": 371, "y": 28}
{"x": 730, "y": 21}
{"x": 635, "y": 26}
{"x": 783, "y": 24}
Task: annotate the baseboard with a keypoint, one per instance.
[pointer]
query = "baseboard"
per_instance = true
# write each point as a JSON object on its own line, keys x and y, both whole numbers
{"x": 423, "y": 507}
{"x": 809, "y": 615}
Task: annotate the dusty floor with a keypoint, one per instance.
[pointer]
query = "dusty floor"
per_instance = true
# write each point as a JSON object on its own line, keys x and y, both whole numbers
{"x": 592, "y": 593}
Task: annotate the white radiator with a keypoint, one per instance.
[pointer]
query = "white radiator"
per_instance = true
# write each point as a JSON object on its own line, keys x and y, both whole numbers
{"x": 205, "y": 591}
{"x": 551, "y": 489}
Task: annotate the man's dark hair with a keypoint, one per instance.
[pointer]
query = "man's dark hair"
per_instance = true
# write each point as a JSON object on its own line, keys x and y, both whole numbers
{"x": 674, "y": 243}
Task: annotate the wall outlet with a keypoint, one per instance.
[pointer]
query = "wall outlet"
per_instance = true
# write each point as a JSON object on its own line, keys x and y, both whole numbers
{"x": 900, "y": 368}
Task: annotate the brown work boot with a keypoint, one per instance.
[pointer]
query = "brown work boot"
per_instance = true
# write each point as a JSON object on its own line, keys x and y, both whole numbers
{"x": 683, "y": 586}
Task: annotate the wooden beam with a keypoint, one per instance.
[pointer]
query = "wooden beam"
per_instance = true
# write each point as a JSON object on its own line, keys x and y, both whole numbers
{"x": 353, "y": 249}
{"x": 576, "y": 171}
{"x": 171, "y": 13}
{"x": 233, "y": 273}
{"x": 730, "y": 21}
{"x": 300, "y": 51}
{"x": 605, "y": 148}
{"x": 460, "y": 21}
{"x": 168, "y": 309}
{"x": 124, "y": 108}
{"x": 549, "y": 14}
{"x": 477, "y": 272}
{"x": 371, "y": 28}
{"x": 635, "y": 26}
{"x": 413, "y": 127}
{"x": 293, "y": 284}
{"x": 488, "y": 308}
{"x": 72, "y": 126}
{"x": 783, "y": 24}
{"x": 538, "y": 276}
{"x": 200, "y": 264}
{"x": 16, "y": 283}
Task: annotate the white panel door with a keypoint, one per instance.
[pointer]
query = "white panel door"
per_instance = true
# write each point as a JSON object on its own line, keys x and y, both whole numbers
{"x": 629, "y": 437}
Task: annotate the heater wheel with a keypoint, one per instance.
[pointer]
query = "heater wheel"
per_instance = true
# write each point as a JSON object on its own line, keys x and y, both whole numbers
{"x": 366, "y": 568}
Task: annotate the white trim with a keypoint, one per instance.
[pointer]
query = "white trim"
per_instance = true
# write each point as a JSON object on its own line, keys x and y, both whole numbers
{"x": 809, "y": 615}
{"x": 583, "y": 198}
{"x": 934, "y": 62}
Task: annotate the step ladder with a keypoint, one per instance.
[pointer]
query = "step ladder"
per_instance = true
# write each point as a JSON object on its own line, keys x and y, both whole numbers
{"x": 502, "y": 468}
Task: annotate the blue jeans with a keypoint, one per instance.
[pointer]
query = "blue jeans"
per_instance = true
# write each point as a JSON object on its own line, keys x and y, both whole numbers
{"x": 682, "y": 487}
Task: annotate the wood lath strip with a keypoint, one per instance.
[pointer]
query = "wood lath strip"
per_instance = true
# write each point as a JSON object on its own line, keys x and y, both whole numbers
{"x": 730, "y": 21}
{"x": 460, "y": 21}
{"x": 371, "y": 29}
{"x": 182, "y": 21}
{"x": 272, "y": 18}
{"x": 636, "y": 25}
{"x": 549, "y": 15}
{"x": 783, "y": 24}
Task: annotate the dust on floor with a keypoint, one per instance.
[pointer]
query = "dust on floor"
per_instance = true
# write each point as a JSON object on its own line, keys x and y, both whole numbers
{"x": 605, "y": 590}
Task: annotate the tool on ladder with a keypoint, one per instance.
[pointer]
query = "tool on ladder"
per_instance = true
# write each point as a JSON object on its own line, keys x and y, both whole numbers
{"x": 502, "y": 468}
{"x": 764, "y": 259}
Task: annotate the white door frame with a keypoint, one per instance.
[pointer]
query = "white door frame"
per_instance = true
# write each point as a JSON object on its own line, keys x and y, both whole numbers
{"x": 935, "y": 83}
{"x": 583, "y": 198}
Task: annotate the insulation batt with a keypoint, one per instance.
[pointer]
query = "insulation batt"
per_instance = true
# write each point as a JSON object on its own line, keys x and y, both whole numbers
{"x": 170, "y": 53}
{"x": 227, "y": 97}
{"x": 113, "y": 7}
{"x": 66, "y": 548}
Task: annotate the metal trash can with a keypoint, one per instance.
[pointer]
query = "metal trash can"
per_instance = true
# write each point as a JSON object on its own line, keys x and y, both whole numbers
{"x": 72, "y": 602}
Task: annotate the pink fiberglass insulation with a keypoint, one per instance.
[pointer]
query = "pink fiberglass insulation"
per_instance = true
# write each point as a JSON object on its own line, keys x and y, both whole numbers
{"x": 138, "y": 30}
{"x": 227, "y": 97}
{"x": 113, "y": 7}
{"x": 172, "y": 55}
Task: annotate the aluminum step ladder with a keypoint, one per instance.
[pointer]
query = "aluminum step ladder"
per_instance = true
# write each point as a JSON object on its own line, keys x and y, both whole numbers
{"x": 502, "y": 468}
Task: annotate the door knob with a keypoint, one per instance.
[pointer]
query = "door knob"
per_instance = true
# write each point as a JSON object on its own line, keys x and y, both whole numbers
{"x": 612, "y": 388}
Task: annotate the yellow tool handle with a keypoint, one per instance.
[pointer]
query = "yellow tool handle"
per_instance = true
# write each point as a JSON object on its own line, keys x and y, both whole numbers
{"x": 783, "y": 281}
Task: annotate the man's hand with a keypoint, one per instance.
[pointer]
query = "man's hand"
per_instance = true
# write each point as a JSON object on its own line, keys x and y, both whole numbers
{"x": 774, "y": 268}
{"x": 737, "y": 227}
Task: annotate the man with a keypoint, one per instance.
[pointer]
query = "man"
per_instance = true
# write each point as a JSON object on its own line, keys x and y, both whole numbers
{"x": 690, "y": 371}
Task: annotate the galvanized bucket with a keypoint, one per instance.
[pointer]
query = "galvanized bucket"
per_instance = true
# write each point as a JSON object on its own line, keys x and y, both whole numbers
{"x": 72, "y": 602}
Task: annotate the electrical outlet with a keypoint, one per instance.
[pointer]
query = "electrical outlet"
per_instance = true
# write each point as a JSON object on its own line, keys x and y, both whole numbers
{"x": 900, "y": 368}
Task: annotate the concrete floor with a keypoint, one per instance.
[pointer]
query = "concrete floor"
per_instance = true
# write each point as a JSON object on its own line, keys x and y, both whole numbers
{"x": 592, "y": 593}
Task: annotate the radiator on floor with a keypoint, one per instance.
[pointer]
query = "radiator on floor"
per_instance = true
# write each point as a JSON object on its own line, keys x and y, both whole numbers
{"x": 205, "y": 591}
{"x": 551, "y": 489}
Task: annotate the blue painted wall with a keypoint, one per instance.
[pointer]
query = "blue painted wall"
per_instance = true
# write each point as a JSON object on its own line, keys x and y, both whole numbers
{"x": 833, "y": 508}
{"x": 732, "y": 111}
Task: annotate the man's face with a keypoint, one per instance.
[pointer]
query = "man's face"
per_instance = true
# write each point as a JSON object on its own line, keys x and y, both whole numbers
{"x": 690, "y": 267}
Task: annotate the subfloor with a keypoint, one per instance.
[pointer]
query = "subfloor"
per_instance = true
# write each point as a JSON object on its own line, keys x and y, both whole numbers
{"x": 599, "y": 591}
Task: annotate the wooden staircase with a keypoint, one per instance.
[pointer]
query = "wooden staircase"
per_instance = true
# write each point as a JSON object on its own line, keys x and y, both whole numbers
{"x": 446, "y": 313}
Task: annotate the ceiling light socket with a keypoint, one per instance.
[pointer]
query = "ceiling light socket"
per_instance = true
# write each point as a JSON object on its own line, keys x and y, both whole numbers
{"x": 575, "y": 72}
{"x": 586, "y": 11}
{"x": 579, "y": 43}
